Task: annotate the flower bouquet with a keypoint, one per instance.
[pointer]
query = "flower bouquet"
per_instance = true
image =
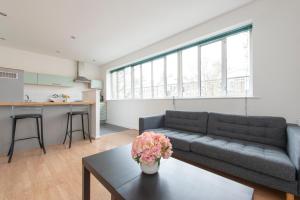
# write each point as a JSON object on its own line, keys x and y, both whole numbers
{"x": 148, "y": 149}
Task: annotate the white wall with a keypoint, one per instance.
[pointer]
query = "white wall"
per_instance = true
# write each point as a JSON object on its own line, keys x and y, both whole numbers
{"x": 33, "y": 62}
{"x": 276, "y": 65}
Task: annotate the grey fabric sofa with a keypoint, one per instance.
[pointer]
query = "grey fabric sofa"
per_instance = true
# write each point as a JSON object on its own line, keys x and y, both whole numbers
{"x": 264, "y": 150}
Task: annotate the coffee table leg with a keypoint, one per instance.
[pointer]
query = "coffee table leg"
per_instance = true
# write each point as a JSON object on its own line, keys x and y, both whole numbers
{"x": 85, "y": 183}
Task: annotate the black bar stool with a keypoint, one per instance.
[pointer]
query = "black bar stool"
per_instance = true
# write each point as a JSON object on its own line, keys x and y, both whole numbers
{"x": 70, "y": 132}
{"x": 40, "y": 134}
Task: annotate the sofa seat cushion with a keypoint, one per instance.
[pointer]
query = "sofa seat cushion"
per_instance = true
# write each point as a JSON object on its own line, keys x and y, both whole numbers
{"x": 261, "y": 158}
{"x": 180, "y": 139}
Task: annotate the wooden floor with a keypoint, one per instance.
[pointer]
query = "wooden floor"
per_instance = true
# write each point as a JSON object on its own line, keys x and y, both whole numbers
{"x": 57, "y": 175}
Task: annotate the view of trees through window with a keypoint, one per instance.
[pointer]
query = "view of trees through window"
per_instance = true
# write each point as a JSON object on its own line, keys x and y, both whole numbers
{"x": 238, "y": 65}
{"x": 190, "y": 72}
{"x": 158, "y": 78}
{"x": 147, "y": 80}
{"x": 137, "y": 81}
{"x": 127, "y": 86}
{"x": 213, "y": 69}
{"x": 172, "y": 75}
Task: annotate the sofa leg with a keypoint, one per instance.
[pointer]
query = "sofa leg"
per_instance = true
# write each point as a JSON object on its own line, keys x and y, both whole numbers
{"x": 289, "y": 196}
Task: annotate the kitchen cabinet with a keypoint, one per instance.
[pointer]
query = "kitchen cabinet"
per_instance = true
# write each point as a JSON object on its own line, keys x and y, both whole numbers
{"x": 96, "y": 84}
{"x": 48, "y": 79}
{"x": 55, "y": 80}
{"x": 30, "y": 78}
{"x": 102, "y": 112}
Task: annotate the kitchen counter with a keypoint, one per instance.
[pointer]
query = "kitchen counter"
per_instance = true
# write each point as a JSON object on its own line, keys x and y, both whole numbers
{"x": 38, "y": 104}
{"x": 54, "y": 120}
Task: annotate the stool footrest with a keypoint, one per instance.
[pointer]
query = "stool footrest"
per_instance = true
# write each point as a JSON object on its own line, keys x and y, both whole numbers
{"x": 27, "y": 138}
{"x": 77, "y": 130}
{"x": 85, "y": 133}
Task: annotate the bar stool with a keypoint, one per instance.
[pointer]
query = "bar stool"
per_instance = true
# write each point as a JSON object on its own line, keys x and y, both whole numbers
{"x": 40, "y": 134}
{"x": 70, "y": 132}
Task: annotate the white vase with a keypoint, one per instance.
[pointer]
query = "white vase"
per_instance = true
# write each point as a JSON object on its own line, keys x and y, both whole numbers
{"x": 150, "y": 169}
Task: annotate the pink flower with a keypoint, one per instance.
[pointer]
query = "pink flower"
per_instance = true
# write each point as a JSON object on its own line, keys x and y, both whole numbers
{"x": 150, "y": 147}
{"x": 147, "y": 157}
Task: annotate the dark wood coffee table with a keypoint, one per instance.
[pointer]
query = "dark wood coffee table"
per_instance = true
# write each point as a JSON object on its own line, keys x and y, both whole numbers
{"x": 176, "y": 180}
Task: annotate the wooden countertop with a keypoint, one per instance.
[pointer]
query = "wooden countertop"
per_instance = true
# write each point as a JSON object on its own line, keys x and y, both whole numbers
{"x": 46, "y": 103}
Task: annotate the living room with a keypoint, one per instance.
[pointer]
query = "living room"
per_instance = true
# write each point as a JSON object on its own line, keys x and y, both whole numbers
{"x": 213, "y": 84}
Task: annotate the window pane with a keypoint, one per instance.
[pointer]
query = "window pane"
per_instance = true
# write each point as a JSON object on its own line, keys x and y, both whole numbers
{"x": 114, "y": 85}
{"x": 190, "y": 72}
{"x": 238, "y": 64}
{"x": 137, "y": 81}
{"x": 121, "y": 84}
{"x": 158, "y": 78}
{"x": 172, "y": 74}
{"x": 127, "y": 82}
{"x": 146, "y": 73}
{"x": 211, "y": 69}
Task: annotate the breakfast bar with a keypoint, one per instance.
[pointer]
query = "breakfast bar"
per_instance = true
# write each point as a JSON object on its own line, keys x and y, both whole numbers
{"x": 20, "y": 104}
{"x": 54, "y": 120}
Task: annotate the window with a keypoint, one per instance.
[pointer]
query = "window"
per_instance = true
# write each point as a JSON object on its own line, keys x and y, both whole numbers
{"x": 211, "y": 69}
{"x": 172, "y": 74}
{"x": 214, "y": 67}
{"x": 137, "y": 81}
{"x": 190, "y": 72}
{"x": 127, "y": 82}
{"x": 114, "y": 85}
{"x": 158, "y": 78}
{"x": 120, "y": 81}
{"x": 147, "y": 80}
{"x": 238, "y": 64}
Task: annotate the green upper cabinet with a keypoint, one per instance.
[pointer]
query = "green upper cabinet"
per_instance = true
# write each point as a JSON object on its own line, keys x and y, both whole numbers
{"x": 30, "y": 78}
{"x": 48, "y": 79}
{"x": 96, "y": 84}
{"x": 55, "y": 80}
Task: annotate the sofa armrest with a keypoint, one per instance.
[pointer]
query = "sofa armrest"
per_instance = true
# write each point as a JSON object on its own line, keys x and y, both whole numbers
{"x": 293, "y": 144}
{"x": 151, "y": 122}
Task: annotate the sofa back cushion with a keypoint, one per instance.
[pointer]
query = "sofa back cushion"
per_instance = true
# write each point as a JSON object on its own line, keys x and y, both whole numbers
{"x": 187, "y": 121}
{"x": 264, "y": 130}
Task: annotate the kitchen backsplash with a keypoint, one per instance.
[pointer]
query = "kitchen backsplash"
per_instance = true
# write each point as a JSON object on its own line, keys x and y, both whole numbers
{"x": 43, "y": 93}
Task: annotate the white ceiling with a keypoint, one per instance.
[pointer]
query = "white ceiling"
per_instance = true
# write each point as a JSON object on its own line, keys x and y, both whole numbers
{"x": 105, "y": 29}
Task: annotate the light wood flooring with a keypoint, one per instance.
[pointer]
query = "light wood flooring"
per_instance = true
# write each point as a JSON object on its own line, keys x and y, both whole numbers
{"x": 57, "y": 175}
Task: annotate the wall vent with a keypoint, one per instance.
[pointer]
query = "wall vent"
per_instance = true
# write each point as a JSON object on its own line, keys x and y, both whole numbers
{"x": 9, "y": 75}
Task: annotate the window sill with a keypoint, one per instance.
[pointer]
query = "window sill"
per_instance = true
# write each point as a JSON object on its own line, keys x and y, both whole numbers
{"x": 184, "y": 98}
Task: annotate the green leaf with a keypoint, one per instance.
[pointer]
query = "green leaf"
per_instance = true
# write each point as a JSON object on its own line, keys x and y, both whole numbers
{"x": 137, "y": 159}
{"x": 158, "y": 160}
